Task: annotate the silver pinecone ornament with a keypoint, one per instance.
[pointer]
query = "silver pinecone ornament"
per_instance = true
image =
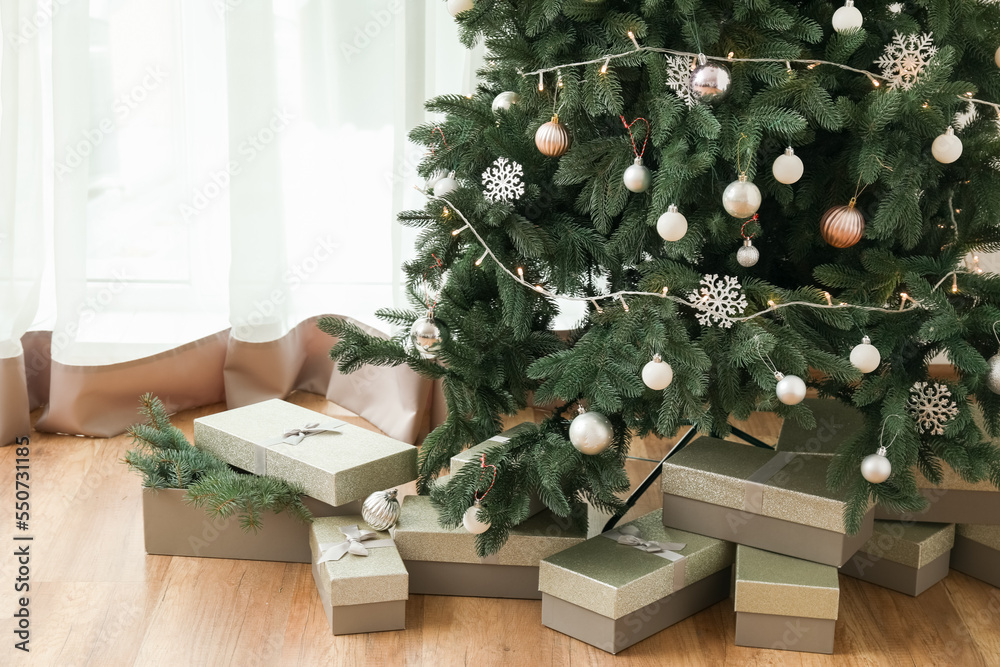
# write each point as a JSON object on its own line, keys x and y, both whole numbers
{"x": 381, "y": 510}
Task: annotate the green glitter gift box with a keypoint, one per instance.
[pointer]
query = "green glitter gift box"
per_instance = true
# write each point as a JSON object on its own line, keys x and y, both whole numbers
{"x": 904, "y": 556}
{"x": 777, "y": 501}
{"x": 784, "y": 603}
{"x": 977, "y": 552}
{"x": 443, "y": 561}
{"x": 334, "y": 462}
{"x": 360, "y": 577}
{"x": 625, "y": 585}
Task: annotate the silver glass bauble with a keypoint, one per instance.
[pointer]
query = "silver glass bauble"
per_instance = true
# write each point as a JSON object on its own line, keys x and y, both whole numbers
{"x": 741, "y": 198}
{"x": 993, "y": 378}
{"x": 790, "y": 389}
{"x": 748, "y": 254}
{"x": 425, "y": 334}
{"x": 876, "y": 467}
{"x": 637, "y": 177}
{"x": 381, "y": 510}
{"x": 709, "y": 81}
{"x": 591, "y": 432}
{"x": 505, "y": 100}
{"x": 473, "y": 521}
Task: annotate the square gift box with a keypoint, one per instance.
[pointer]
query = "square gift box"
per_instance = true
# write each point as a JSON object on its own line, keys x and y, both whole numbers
{"x": 835, "y": 422}
{"x": 333, "y": 461}
{"x": 784, "y": 603}
{"x": 777, "y": 501}
{"x": 627, "y": 584}
{"x": 977, "y": 552}
{"x": 360, "y": 577}
{"x": 906, "y": 557}
{"x": 443, "y": 561}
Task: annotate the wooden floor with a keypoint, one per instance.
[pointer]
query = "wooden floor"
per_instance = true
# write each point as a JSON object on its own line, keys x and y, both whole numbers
{"x": 97, "y": 599}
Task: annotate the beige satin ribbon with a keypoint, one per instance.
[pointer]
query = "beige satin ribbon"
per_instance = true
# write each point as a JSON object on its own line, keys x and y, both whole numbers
{"x": 753, "y": 491}
{"x": 631, "y": 537}
{"x": 292, "y": 436}
{"x": 358, "y": 542}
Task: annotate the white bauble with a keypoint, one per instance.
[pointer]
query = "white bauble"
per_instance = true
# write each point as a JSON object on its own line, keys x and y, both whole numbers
{"x": 947, "y": 147}
{"x": 876, "y": 467}
{"x": 505, "y": 100}
{"x": 747, "y": 255}
{"x": 865, "y": 356}
{"x": 848, "y": 18}
{"x": 993, "y": 377}
{"x": 456, "y": 7}
{"x": 787, "y": 168}
{"x": 637, "y": 177}
{"x": 672, "y": 225}
{"x": 472, "y": 522}
{"x": 446, "y": 185}
{"x": 657, "y": 374}
{"x": 790, "y": 389}
{"x": 741, "y": 198}
{"x": 434, "y": 179}
{"x": 591, "y": 432}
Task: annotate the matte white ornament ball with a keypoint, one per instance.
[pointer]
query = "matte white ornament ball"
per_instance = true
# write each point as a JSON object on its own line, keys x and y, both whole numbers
{"x": 472, "y": 521}
{"x": 446, "y": 185}
{"x": 876, "y": 467}
{"x": 709, "y": 81}
{"x": 790, "y": 389}
{"x": 847, "y": 18}
{"x": 741, "y": 198}
{"x": 748, "y": 254}
{"x": 865, "y": 357}
{"x": 425, "y": 334}
{"x": 657, "y": 374}
{"x": 996, "y": 57}
{"x": 591, "y": 432}
{"x": 672, "y": 225}
{"x": 434, "y": 178}
{"x": 947, "y": 147}
{"x": 993, "y": 378}
{"x": 505, "y": 100}
{"x": 787, "y": 168}
{"x": 456, "y": 7}
{"x": 637, "y": 177}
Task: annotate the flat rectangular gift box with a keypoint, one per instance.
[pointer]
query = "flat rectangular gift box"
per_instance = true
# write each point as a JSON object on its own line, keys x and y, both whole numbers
{"x": 443, "y": 561}
{"x": 338, "y": 466}
{"x": 906, "y": 557}
{"x": 784, "y": 603}
{"x": 835, "y": 423}
{"x": 172, "y": 527}
{"x": 618, "y": 588}
{"x": 977, "y": 552}
{"x": 777, "y": 501}
{"x": 953, "y": 501}
{"x": 363, "y": 584}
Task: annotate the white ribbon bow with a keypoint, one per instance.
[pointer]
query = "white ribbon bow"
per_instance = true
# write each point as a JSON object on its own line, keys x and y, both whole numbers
{"x": 292, "y": 436}
{"x": 353, "y": 544}
{"x": 631, "y": 537}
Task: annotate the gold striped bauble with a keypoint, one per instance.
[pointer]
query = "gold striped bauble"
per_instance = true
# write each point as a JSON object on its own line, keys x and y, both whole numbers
{"x": 552, "y": 138}
{"x": 842, "y": 226}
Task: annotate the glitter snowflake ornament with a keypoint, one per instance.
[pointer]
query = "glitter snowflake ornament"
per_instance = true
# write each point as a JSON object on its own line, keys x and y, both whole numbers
{"x": 679, "y": 78}
{"x": 717, "y": 300}
{"x": 905, "y": 59}
{"x": 503, "y": 181}
{"x": 931, "y": 405}
{"x": 895, "y": 8}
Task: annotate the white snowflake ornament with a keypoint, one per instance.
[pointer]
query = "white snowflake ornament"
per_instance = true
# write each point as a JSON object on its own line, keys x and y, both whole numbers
{"x": 717, "y": 300}
{"x": 679, "y": 78}
{"x": 931, "y": 405}
{"x": 503, "y": 181}
{"x": 895, "y": 8}
{"x": 905, "y": 59}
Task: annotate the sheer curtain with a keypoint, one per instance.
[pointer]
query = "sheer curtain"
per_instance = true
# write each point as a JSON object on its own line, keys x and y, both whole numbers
{"x": 186, "y": 186}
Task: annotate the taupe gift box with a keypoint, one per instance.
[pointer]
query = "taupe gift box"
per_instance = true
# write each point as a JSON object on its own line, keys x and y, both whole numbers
{"x": 360, "y": 577}
{"x": 334, "y": 462}
{"x": 777, "y": 501}
{"x": 443, "y": 561}
{"x": 906, "y": 557}
{"x": 172, "y": 527}
{"x": 619, "y": 588}
{"x": 784, "y": 603}
{"x": 953, "y": 501}
{"x": 977, "y": 552}
{"x": 835, "y": 422}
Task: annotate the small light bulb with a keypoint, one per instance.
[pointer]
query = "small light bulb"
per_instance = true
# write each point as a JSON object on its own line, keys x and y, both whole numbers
{"x": 541, "y": 82}
{"x": 631, "y": 36}
{"x": 829, "y": 300}
{"x": 875, "y": 83}
{"x": 771, "y": 303}
{"x": 954, "y": 283}
{"x": 480, "y": 260}
{"x": 665, "y": 289}
{"x": 539, "y": 288}
{"x": 604, "y": 67}
{"x": 730, "y": 56}
{"x": 624, "y": 304}
{"x": 520, "y": 272}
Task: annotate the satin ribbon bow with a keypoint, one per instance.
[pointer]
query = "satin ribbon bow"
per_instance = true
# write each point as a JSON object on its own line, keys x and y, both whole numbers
{"x": 294, "y": 436}
{"x": 353, "y": 544}
{"x": 631, "y": 537}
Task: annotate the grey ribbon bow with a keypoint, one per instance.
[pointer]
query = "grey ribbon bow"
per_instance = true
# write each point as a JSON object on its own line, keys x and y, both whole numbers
{"x": 354, "y": 544}
{"x": 292, "y": 436}
{"x": 631, "y": 537}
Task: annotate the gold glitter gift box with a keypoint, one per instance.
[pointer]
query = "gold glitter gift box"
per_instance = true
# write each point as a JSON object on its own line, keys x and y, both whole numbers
{"x": 835, "y": 423}
{"x": 977, "y": 552}
{"x": 443, "y": 561}
{"x": 361, "y": 580}
{"x": 612, "y": 591}
{"x": 904, "y": 556}
{"x": 777, "y": 501}
{"x": 334, "y": 462}
{"x": 784, "y": 603}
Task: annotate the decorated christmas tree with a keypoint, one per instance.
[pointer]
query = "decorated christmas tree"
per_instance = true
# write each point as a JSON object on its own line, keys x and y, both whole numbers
{"x": 748, "y": 198}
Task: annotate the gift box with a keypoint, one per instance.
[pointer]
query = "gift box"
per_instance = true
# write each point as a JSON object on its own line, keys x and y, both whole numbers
{"x": 953, "y": 501}
{"x": 443, "y": 561}
{"x": 784, "y": 603}
{"x": 360, "y": 577}
{"x": 906, "y": 557}
{"x": 777, "y": 501}
{"x": 835, "y": 423}
{"x": 977, "y": 552}
{"x": 334, "y": 462}
{"x": 627, "y": 584}
{"x": 172, "y": 527}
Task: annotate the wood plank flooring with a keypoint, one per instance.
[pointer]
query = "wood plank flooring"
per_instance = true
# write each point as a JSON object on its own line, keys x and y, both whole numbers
{"x": 98, "y": 599}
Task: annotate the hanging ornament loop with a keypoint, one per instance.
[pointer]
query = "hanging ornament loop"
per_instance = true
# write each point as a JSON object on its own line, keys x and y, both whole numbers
{"x": 437, "y": 128}
{"x": 742, "y": 172}
{"x": 484, "y": 466}
{"x": 431, "y": 303}
{"x": 645, "y": 139}
{"x": 743, "y": 228}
